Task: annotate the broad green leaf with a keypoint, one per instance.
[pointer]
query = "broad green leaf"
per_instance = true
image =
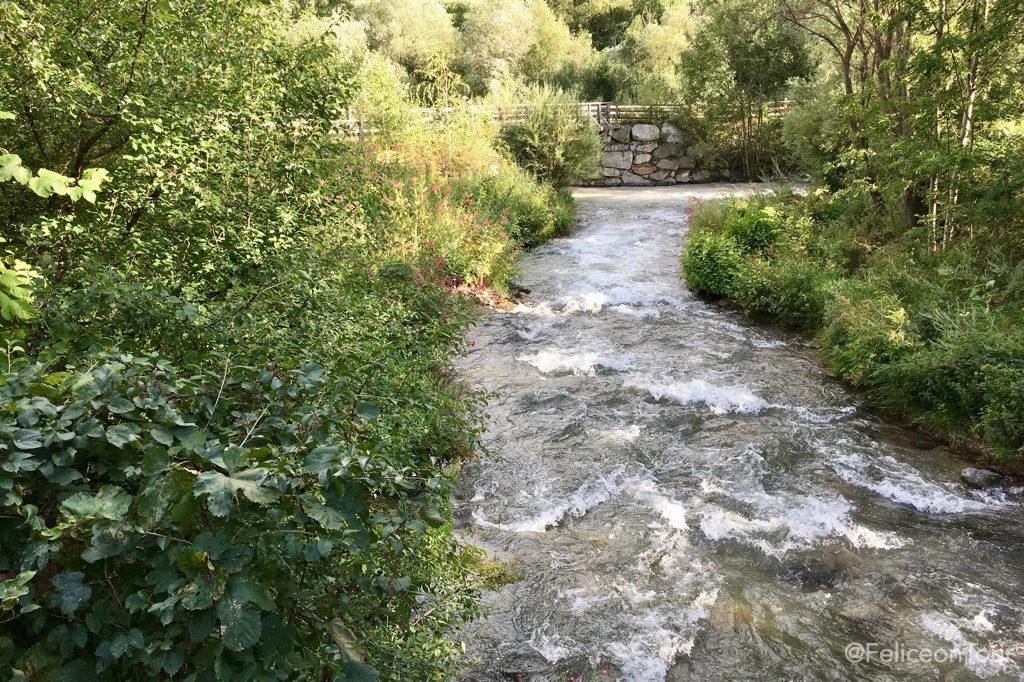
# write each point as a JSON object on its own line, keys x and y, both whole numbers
{"x": 239, "y": 624}
{"x": 110, "y": 502}
{"x": 121, "y": 435}
{"x": 220, "y": 489}
{"x": 344, "y": 638}
{"x": 119, "y": 405}
{"x": 329, "y": 518}
{"x": 321, "y": 459}
{"x": 251, "y": 593}
{"x": 367, "y": 411}
{"x": 73, "y": 593}
{"x": 357, "y": 671}
{"x": 15, "y": 588}
{"x": 163, "y": 435}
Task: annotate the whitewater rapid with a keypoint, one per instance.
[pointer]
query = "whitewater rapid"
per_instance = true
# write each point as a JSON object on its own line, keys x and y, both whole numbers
{"x": 688, "y": 496}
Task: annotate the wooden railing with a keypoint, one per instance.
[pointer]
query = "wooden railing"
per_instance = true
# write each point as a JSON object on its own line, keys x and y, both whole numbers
{"x": 602, "y": 113}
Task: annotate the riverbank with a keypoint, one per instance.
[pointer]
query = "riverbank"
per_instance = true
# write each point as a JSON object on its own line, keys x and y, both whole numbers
{"x": 933, "y": 339}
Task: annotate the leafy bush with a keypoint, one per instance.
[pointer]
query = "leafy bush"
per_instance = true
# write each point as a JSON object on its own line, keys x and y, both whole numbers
{"x": 789, "y": 288}
{"x": 929, "y": 338}
{"x": 531, "y": 212}
{"x": 864, "y": 330}
{"x": 965, "y": 382}
{"x": 755, "y": 228}
{"x": 555, "y": 142}
{"x": 229, "y": 429}
{"x": 174, "y": 522}
{"x": 712, "y": 263}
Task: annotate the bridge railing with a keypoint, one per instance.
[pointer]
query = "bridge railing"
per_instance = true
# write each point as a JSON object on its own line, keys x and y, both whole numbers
{"x": 601, "y": 113}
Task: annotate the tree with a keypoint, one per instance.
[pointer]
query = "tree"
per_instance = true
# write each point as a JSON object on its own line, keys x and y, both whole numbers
{"x": 741, "y": 57}
{"x": 414, "y": 33}
{"x": 496, "y": 38}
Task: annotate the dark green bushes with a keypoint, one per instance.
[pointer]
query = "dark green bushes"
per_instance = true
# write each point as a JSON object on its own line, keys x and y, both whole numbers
{"x": 935, "y": 339}
{"x": 531, "y": 212}
{"x": 554, "y": 142}
{"x": 228, "y": 425}
{"x": 713, "y": 262}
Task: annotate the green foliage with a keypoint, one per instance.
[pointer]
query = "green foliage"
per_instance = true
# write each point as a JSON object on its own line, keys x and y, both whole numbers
{"x": 554, "y": 142}
{"x": 530, "y": 212}
{"x": 866, "y": 328}
{"x": 712, "y": 263}
{"x": 754, "y": 229}
{"x": 743, "y": 55}
{"x": 182, "y": 518}
{"x": 787, "y": 288}
{"x": 228, "y": 429}
{"x": 496, "y": 36}
{"x": 414, "y": 33}
{"x": 933, "y": 339}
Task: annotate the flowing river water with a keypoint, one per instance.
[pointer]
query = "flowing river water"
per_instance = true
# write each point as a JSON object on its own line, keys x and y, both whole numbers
{"x": 688, "y": 496}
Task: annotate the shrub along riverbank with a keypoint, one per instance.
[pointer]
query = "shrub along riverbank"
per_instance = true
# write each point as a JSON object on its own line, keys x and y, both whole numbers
{"x": 229, "y": 430}
{"x": 936, "y": 338}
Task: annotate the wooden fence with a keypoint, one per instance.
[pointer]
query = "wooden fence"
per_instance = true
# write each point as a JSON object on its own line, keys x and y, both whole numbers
{"x": 601, "y": 113}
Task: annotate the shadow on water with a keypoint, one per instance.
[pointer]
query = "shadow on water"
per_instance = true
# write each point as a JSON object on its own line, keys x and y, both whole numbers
{"x": 692, "y": 498}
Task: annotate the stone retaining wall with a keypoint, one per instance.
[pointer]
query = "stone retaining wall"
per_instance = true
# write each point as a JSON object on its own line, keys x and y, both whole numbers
{"x": 646, "y": 154}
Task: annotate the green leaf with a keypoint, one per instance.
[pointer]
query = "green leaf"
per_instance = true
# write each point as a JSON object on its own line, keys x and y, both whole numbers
{"x": 120, "y": 435}
{"x": 6, "y": 116}
{"x": 26, "y": 439}
{"x": 19, "y": 461}
{"x": 321, "y": 459}
{"x": 162, "y": 435}
{"x": 110, "y": 502}
{"x": 220, "y": 489}
{"x": 72, "y": 592}
{"x": 239, "y": 625}
{"x": 344, "y": 638}
{"x": 367, "y": 411}
{"x": 357, "y": 671}
{"x": 14, "y": 589}
{"x": 329, "y": 518}
{"x": 251, "y": 593}
{"x": 120, "y": 405}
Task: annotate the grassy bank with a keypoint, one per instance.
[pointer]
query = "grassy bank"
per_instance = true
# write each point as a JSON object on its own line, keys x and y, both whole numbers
{"x": 931, "y": 337}
{"x": 229, "y": 426}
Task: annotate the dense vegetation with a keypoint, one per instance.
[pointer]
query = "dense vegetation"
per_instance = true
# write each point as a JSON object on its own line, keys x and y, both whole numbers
{"x": 905, "y": 257}
{"x": 229, "y": 427}
{"x": 229, "y": 432}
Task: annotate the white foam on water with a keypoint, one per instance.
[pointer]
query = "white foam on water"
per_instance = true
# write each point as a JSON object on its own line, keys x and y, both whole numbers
{"x": 626, "y": 435}
{"x": 767, "y": 343}
{"x": 720, "y": 399}
{"x": 735, "y": 398}
{"x": 553, "y": 647}
{"x": 542, "y": 309}
{"x": 671, "y": 510}
{"x": 590, "y": 302}
{"x": 615, "y": 295}
{"x": 637, "y": 312}
{"x": 659, "y": 638}
{"x": 579, "y": 502}
{"x": 820, "y": 415}
{"x": 533, "y": 331}
{"x": 982, "y": 660}
{"x": 782, "y": 524}
{"x": 582, "y": 601}
{"x": 903, "y": 484}
{"x": 981, "y": 623}
{"x": 554, "y": 361}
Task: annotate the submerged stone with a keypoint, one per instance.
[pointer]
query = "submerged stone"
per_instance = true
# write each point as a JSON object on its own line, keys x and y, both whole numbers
{"x": 980, "y": 478}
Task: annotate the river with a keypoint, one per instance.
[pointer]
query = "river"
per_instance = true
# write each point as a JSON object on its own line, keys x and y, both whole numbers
{"x": 689, "y": 496}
